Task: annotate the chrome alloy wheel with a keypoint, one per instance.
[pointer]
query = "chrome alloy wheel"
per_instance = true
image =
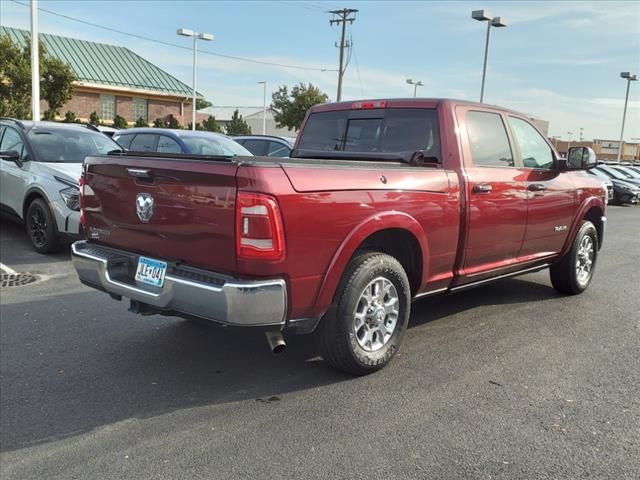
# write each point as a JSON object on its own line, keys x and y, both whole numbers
{"x": 376, "y": 314}
{"x": 584, "y": 260}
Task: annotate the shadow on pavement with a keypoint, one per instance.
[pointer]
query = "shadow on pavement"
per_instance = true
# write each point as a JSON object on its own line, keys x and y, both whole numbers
{"x": 92, "y": 363}
{"x": 16, "y": 247}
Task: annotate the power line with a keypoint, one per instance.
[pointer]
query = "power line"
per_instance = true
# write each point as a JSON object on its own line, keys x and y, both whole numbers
{"x": 355, "y": 57}
{"x": 175, "y": 45}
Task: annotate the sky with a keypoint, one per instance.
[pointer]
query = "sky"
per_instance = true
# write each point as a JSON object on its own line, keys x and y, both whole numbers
{"x": 559, "y": 61}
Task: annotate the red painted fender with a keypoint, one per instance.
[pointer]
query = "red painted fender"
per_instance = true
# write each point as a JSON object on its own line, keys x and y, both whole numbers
{"x": 371, "y": 225}
{"x": 577, "y": 220}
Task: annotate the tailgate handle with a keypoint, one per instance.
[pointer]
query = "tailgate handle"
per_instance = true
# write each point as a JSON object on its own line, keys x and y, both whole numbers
{"x": 139, "y": 172}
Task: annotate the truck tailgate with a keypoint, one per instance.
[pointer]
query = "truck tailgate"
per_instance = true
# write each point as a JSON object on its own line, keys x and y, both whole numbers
{"x": 172, "y": 209}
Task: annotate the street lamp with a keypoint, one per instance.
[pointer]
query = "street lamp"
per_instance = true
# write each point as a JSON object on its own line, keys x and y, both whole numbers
{"x": 264, "y": 107}
{"x": 483, "y": 16}
{"x": 630, "y": 78}
{"x": 185, "y": 32}
{"x": 415, "y": 85}
{"x": 569, "y": 143}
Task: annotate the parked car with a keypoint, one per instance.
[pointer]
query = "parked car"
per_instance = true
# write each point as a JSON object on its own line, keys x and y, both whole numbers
{"x": 166, "y": 140}
{"x": 108, "y": 131}
{"x": 40, "y": 166}
{"x": 267, "y": 145}
{"x": 627, "y": 171}
{"x": 383, "y": 202}
{"x": 613, "y": 172}
{"x": 635, "y": 168}
{"x": 622, "y": 192}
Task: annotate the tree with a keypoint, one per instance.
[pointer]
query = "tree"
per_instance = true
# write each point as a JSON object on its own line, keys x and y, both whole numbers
{"x": 158, "y": 123}
{"x": 70, "y": 117}
{"x": 119, "y": 122}
{"x": 237, "y": 126}
{"x": 198, "y": 126}
{"x": 94, "y": 119}
{"x": 291, "y": 108}
{"x": 56, "y": 81}
{"x": 141, "y": 122}
{"x": 211, "y": 125}
{"x": 202, "y": 103}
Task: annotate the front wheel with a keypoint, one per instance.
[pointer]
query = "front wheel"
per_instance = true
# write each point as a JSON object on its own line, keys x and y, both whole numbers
{"x": 41, "y": 227}
{"x": 362, "y": 331}
{"x": 574, "y": 272}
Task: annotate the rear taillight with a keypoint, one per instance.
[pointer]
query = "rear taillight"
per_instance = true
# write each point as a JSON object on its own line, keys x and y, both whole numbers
{"x": 81, "y": 188}
{"x": 259, "y": 232}
{"x": 368, "y": 105}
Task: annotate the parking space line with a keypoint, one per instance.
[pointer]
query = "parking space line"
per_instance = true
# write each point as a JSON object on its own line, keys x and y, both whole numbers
{"x": 8, "y": 270}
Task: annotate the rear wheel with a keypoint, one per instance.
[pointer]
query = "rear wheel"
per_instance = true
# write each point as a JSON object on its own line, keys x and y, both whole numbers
{"x": 41, "y": 227}
{"x": 363, "y": 329}
{"x": 574, "y": 272}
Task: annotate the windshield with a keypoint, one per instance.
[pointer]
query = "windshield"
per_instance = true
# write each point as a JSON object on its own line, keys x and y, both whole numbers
{"x": 598, "y": 173}
{"x": 69, "y": 145}
{"x": 391, "y": 130}
{"x": 214, "y": 145}
{"x": 613, "y": 173}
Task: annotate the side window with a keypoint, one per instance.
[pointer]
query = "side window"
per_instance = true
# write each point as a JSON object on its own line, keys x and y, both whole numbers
{"x": 124, "y": 140}
{"x": 255, "y": 146}
{"x": 168, "y": 145}
{"x": 144, "y": 142}
{"x": 11, "y": 140}
{"x": 1, "y": 131}
{"x": 536, "y": 153}
{"x": 488, "y": 140}
{"x": 278, "y": 150}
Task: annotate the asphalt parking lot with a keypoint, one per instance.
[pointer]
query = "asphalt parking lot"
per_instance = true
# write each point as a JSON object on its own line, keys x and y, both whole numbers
{"x": 510, "y": 380}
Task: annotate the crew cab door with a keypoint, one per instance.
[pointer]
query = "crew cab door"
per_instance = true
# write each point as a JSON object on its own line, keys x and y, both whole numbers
{"x": 551, "y": 194}
{"x": 496, "y": 194}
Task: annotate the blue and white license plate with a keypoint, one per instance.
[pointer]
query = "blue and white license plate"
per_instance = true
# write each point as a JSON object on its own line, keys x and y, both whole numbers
{"x": 151, "y": 271}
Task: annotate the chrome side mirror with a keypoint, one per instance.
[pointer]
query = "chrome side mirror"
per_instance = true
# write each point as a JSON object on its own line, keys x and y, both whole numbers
{"x": 580, "y": 158}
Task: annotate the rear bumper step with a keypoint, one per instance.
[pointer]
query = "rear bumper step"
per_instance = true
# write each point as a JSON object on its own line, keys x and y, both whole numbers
{"x": 186, "y": 291}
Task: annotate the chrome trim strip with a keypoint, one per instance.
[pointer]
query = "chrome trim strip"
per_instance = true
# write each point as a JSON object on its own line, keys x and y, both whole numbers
{"x": 429, "y": 293}
{"x": 500, "y": 277}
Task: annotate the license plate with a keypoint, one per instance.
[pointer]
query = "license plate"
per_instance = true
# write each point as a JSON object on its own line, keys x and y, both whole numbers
{"x": 151, "y": 271}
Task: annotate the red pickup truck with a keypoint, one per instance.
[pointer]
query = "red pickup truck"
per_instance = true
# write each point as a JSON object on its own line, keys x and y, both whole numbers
{"x": 383, "y": 202}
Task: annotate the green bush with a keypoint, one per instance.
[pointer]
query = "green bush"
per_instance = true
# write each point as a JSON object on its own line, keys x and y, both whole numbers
{"x": 141, "y": 122}
{"x": 94, "y": 119}
{"x": 70, "y": 117}
{"x": 119, "y": 122}
{"x": 173, "y": 122}
{"x": 158, "y": 123}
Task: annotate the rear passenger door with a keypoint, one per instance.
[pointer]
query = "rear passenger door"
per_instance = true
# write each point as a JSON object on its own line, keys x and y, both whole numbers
{"x": 257, "y": 147}
{"x": 144, "y": 142}
{"x": 496, "y": 194}
{"x": 551, "y": 195}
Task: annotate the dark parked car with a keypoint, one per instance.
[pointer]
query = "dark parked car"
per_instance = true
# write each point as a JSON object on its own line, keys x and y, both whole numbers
{"x": 614, "y": 172}
{"x": 266, "y": 145}
{"x": 165, "y": 140}
{"x": 623, "y": 192}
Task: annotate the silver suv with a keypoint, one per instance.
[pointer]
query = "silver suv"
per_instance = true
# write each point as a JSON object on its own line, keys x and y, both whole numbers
{"x": 40, "y": 166}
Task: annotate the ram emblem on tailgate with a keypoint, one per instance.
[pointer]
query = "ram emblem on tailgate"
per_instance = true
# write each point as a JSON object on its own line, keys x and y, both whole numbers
{"x": 144, "y": 206}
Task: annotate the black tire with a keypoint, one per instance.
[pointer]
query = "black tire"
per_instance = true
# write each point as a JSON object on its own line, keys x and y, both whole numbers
{"x": 338, "y": 339}
{"x": 564, "y": 274}
{"x": 41, "y": 227}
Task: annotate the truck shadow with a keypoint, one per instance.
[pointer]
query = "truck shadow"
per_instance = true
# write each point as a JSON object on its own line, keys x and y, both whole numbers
{"x": 96, "y": 364}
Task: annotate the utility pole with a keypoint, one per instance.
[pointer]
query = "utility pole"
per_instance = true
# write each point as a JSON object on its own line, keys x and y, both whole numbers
{"x": 581, "y": 129}
{"x": 342, "y": 17}
{"x": 35, "y": 63}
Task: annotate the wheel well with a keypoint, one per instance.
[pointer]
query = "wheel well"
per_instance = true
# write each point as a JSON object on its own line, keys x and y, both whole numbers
{"x": 27, "y": 201}
{"x": 403, "y": 246}
{"x": 594, "y": 215}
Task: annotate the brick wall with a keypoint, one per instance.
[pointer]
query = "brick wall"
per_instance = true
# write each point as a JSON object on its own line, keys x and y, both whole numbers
{"x": 82, "y": 104}
{"x": 162, "y": 109}
{"x": 124, "y": 108}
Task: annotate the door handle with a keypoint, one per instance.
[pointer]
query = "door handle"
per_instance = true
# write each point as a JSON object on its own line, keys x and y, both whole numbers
{"x": 537, "y": 187}
{"x": 482, "y": 188}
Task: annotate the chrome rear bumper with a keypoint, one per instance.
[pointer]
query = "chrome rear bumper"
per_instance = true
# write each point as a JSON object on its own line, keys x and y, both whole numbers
{"x": 187, "y": 291}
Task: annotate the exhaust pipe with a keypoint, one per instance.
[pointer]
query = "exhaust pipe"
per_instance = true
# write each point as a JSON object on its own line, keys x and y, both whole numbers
{"x": 276, "y": 342}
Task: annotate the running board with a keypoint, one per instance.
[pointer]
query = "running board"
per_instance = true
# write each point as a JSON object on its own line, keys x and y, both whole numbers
{"x": 499, "y": 277}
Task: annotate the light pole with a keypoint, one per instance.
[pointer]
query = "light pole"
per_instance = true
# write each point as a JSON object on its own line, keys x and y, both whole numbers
{"x": 630, "y": 78}
{"x": 483, "y": 16}
{"x": 35, "y": 63}
{"x": 569, "y": 143}
{"x": 264, "y": 107}
{"x": 415, "y": 86}
{"x": 185, "y": 32}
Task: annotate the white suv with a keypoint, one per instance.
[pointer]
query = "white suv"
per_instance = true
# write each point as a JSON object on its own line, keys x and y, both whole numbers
{"x": 40, "y": 166}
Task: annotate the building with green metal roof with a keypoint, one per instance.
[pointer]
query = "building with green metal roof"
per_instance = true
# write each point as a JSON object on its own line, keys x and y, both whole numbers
{"x": 113, "y": 80}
